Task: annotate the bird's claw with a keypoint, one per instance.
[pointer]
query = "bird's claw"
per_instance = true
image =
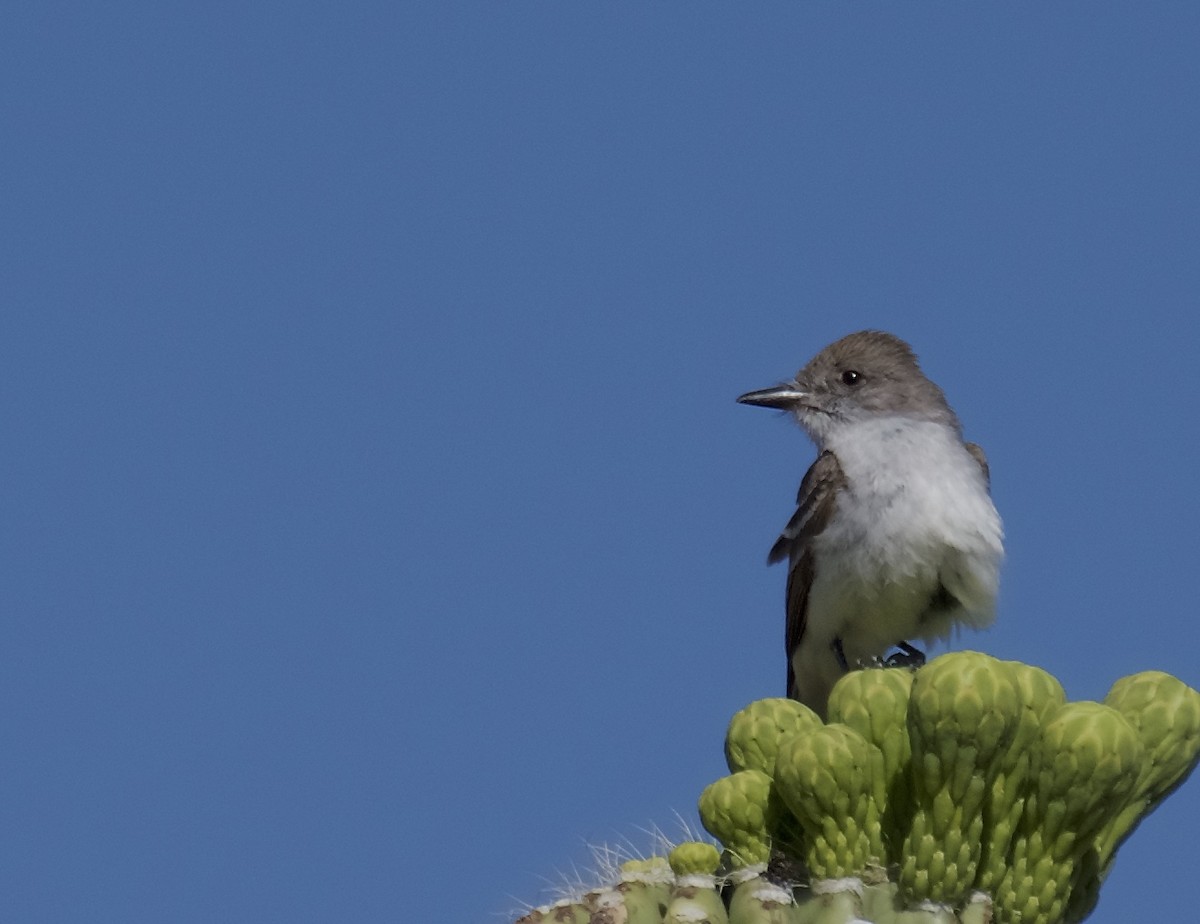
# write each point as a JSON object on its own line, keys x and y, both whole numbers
{"x": 907, "y": 656}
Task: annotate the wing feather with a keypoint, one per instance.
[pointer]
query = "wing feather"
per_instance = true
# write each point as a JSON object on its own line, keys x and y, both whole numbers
{"x": 977, "y": 454}
{"x": 815, "y": 504}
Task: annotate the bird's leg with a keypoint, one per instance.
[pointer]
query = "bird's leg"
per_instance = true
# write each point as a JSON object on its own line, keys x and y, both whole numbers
{"x": 907, "y": 656}
{"x": 840, "y": 654}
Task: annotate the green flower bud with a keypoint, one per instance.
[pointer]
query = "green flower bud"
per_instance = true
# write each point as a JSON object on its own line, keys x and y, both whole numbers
{"x": 832, "y": 780}
{"x": 695, "y": 858}
{"x": 1039, "y": 695}
{"x": 1165, "y": 713}
{"x": 875, "y": 704}
{"x": 734, "y": 809}
{"x": 1090, "y": 760}
{"x": 962, "y": 714}
{"x": 753, "y": 737}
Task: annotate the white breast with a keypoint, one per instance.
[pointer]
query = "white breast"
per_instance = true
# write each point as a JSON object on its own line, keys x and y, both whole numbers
{"x": 915, "y": 513}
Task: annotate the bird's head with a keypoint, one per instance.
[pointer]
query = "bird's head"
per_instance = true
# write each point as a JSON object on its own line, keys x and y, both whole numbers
{"x": 863, "y": 376}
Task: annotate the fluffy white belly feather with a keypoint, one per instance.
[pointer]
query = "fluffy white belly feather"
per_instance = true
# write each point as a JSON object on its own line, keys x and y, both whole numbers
{"x": 915, "y": 515}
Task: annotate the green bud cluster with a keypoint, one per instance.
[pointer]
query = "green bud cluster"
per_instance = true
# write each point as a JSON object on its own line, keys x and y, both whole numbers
{"x": 967, "y": 792}
{"x": 964, "y": 790}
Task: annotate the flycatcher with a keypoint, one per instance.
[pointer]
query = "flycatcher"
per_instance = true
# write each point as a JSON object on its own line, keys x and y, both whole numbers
{"x": 895, "y": 535}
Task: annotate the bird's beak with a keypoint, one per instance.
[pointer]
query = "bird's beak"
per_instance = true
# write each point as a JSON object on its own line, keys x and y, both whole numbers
{"x": 783, "y": 397}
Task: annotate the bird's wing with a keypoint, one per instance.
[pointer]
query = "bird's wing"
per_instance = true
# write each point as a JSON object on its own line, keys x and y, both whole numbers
{"x": 815, "y": 504}
{"x": 977, "y": 454}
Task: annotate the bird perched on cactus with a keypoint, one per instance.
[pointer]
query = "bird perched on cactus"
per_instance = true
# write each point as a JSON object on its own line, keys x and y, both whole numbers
{"x": 895, "y": 535}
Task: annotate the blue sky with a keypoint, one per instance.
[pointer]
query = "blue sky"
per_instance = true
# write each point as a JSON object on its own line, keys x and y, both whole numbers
{"x": 378, "y": 523}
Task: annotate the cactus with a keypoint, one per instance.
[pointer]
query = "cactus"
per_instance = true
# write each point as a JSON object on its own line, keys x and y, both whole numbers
{"x": 968, "y": 791}
{"x": 645, "y": 890}
{"x": 757, "y": 900}
{"x": 695, "y": 899}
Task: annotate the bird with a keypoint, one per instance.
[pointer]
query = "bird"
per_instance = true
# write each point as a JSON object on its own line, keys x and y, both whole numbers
{"x": 895, "y": 535}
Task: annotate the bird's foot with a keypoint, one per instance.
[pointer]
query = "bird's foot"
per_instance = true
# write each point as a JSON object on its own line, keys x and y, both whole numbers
{"x": 907, "y": 656}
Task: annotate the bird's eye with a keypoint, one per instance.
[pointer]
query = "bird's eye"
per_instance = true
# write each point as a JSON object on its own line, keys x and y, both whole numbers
{"x": 850, "y": 377}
